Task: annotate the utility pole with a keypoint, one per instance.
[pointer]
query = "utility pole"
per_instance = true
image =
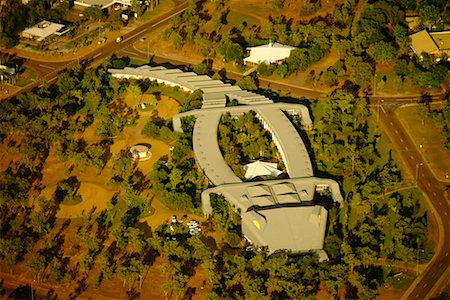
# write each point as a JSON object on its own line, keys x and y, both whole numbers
{"x": 417, "y": 261}
{"x": 378, "y": 110}
{"x": 417, "y": 170}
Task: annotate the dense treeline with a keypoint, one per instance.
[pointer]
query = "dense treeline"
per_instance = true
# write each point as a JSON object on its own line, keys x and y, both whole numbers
{"x": 16, "y": 16}
{"x": 362, "y": 35}
{"x": 378, "y": 220}
{"x": 441, "y": 117}
{"x": 243, "y": 139}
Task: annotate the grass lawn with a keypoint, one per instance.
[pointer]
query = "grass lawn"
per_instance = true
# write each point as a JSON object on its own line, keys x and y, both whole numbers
{"x": 162, "y": 8}
{"x": 403, "y": 281}
{"x": 135, "y": 62}
{"x": 385, "y": 145}
{"x": 423, "y": 131}
{"x": 26, "y": 77}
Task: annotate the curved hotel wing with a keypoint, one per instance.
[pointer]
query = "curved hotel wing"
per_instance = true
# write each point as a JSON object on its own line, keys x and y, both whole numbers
{"x": 277, "y": 214}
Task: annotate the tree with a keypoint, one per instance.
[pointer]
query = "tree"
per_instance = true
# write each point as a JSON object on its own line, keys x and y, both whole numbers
{"x": 361, "y": 73}
{"x": 94, "y": 13}
{"x": 135, "y": 91}
{"x": 177, "y": 40}
{"x": 275, "y": 4}
{"x": 298, "y": 60}
{"x": 429, "y": 15}
{"x": 38, "y": 266}
{"x": 202, "y": 68}
{"x": 137, "y": 7}
{"x": 382, "y": 52}
{"x": 131, "y": 271}
{"x": 231, "y": 51}
{"x": 266, "y": 69}
{"x": 247, "y": 83}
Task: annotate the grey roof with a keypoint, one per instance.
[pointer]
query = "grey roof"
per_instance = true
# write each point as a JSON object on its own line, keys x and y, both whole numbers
{"x": 207, "y": 151}
{"x": 273, "y": 212}
{"x": 288, "y": 198}
{"x": 259, "y": 190}
{"x": 289, "y": 143}
{"x": 283, "y": 188}
{"x": 297, "y": 229}
{"x": 101, "y": 3}
{"x": 303, "y": 188}
{"x": 42, "y": 30}
{"x": 263, "y": 200}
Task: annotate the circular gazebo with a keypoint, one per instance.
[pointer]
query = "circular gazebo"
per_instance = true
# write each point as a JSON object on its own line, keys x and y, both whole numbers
{"x": 140, "y": 152}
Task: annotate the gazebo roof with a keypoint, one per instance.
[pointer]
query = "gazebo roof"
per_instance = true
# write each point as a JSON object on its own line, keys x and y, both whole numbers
{"x": 261, "y": 168}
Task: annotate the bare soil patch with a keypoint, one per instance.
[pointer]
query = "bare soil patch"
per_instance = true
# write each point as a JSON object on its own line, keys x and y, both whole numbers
{"x": 94, "y": 189}
{"x": 9, "y": 154}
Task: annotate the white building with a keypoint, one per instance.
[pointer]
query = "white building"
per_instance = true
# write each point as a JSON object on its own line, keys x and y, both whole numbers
{"x": 270, "y": 53}
{"x": 140, "y": 152}
{"x": 100, "y": 3}
{"x": 43, "y": 30}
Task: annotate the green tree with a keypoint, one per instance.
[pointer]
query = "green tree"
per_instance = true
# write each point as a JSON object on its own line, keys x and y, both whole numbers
{"x": 94, "y": 13}
{"x": 382, "y": 52}
{"x": 202, "y": 68}
{"x": 298, "y": 60}
{"x": 248, "y": 83}
{"x": 231, "y": 51}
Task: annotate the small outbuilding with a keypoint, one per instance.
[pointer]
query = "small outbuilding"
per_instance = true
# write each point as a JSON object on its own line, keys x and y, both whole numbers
{"x": 140, "y": 152}
{"x": 261, "y": 168}
{"x": 103, "y": 4}
{"x": 43, "y": 30}
{"x": 269, "y": 54}
{"x": 433, "y": 43}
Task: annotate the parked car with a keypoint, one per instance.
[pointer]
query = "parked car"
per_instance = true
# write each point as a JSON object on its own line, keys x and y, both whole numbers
{"x": 102, "y": 40}
{"x": 119, "y": 39}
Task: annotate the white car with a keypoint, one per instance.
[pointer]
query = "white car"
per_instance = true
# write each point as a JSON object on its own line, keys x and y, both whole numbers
{"x": 194, "y": 231}
{"x": 174, "y": 219}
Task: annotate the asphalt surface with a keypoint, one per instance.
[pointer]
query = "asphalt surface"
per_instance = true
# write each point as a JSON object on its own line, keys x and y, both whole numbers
{"x": 429, "y": 280}
{"x": 436, "y": 275}
{"x": 48, "y": 70}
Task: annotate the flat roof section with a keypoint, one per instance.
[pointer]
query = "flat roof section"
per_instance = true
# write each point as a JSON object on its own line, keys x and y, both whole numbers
{"x": 298, "y": 229}
{"x": 442, "y": 39}
{"x": 42, "y": 30}
{"x": 289, "y": 142}
{"x": 207, "y": 151}
{"x": 422, "y": 42}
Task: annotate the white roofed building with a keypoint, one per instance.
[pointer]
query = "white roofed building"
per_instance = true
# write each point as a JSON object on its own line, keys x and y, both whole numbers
{"x": 270, "y": 53}
{"x": 43, "y": 30}
{"x": 261, "y": 168}
{"x": 103, "y": 4}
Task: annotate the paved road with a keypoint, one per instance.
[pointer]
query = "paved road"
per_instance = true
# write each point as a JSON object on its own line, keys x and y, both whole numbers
{"x": 439, "y": 267}
{"x": 48, "y": 71}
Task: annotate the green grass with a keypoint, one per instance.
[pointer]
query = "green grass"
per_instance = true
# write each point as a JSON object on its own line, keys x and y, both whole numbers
{"x": 135, "y": 62}
{"x": 77, "y": 199}
{"x": 163, "y": 7}
{"x": 27, "y": 80}
{"x": 237, "y": 18}
{"x": 402, "y": 281}
{"x": 423, "y": 131}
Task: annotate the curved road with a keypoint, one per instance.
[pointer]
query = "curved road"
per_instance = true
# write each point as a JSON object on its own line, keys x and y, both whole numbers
{"x": 436, "y": 275}
{"x": 48, "y": 71}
